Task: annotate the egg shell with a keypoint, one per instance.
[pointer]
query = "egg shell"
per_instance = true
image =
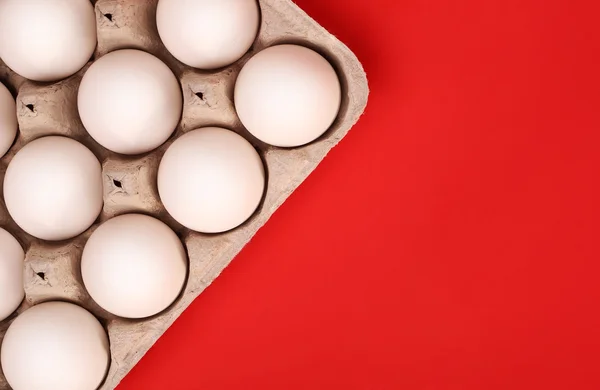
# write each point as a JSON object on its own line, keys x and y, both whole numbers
{"x": 207, "y": 34}
{"x": 11, "y": 274}
{"x": 46, "y": 40}
{"x": 287, "y": 95}
{"x": 53, "y": 188}
{"x": 134, "y": 266}
{"x": 129, "y": 101}
{"x": 8, "y": 120}
{"x": 211, "y": 180}
{"x": 55, "y": 345}
{"x": 130, "y": 181}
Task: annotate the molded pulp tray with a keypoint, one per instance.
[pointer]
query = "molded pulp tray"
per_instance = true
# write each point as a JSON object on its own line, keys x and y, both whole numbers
{"x": 52, "y": 269}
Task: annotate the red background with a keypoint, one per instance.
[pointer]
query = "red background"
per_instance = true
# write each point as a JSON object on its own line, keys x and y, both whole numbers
{"x": 449, "y": 242}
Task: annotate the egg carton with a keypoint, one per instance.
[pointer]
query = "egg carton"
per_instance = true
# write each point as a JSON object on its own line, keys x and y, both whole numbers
{"x": 52, "y": 269}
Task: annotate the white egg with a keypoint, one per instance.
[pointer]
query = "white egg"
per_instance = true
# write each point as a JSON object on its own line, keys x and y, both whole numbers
{"x": 55, "y": 345}
{"x": 129, "y": 101}
{"x": 8, "y": 120}
{"x": 47, "y": 40}
{"x": 134, "y": 266}
{"x": 211, "y": 180}
{"x": 207, "y": 34}
{"x": 287, "y": 95}
{"x": 53, "y": 188}
{"x": 11, "y": 274}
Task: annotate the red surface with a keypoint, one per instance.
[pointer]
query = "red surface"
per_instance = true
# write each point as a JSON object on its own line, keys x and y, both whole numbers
{"x": 449, "y": 242}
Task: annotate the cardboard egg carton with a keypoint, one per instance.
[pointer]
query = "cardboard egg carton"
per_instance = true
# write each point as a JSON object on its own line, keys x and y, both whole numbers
{"x": 52, "y": 269}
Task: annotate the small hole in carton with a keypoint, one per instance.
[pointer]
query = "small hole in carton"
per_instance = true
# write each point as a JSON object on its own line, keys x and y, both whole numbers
{"x": 41, "y": 275}
{"x": 31, "y": 107}
{"x": 108, "y": 16}
{"x": 117, "y": 183}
